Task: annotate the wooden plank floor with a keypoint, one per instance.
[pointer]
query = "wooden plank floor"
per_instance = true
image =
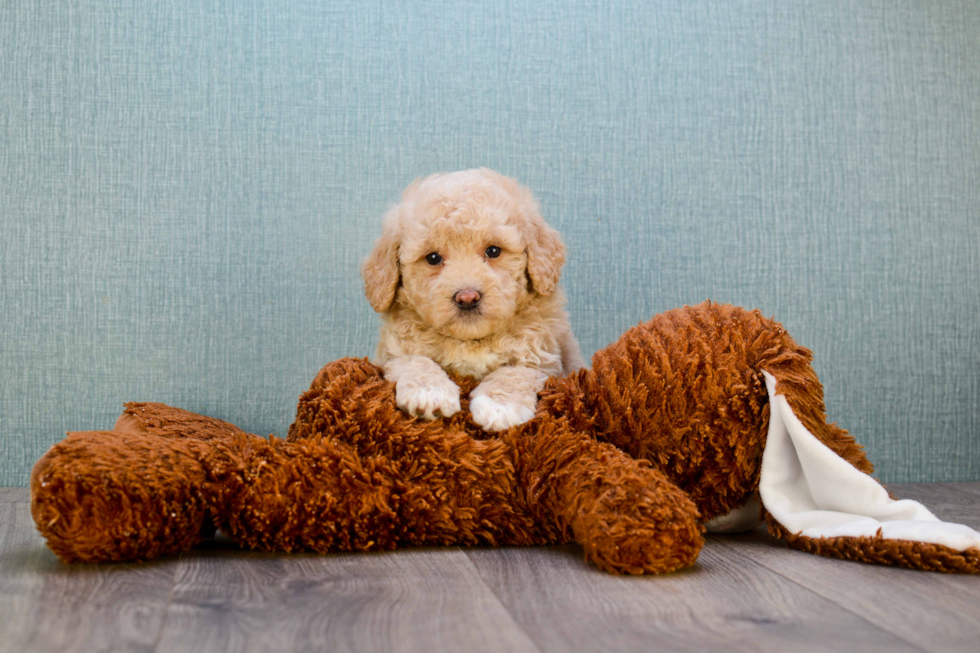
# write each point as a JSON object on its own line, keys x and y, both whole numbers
{"x": 747, "y": 593}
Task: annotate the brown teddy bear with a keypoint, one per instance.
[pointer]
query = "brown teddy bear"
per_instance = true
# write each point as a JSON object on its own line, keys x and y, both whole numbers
{"x": 685, "y": 420}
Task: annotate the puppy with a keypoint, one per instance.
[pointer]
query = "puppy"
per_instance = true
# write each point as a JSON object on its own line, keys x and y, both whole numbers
{"x": 465, "y": 277}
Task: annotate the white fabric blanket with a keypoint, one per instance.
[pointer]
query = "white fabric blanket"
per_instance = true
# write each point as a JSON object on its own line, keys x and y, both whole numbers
{"x": 812, "y": 491}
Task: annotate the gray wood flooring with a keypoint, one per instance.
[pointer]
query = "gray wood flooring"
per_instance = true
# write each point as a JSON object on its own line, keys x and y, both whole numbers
{"x": 747, "y": 593}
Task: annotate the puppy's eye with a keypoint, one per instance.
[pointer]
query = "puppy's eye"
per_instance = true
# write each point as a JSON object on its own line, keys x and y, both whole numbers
{"x": 493, "y": 251}
{"x": 433, "y": 258}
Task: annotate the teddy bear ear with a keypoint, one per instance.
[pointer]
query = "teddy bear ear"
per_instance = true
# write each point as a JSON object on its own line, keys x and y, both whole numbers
{"x": 545, "y": 255}
{"x": 380, "y": 270}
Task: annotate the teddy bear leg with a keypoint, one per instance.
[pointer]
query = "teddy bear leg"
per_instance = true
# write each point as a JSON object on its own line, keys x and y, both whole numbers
{"x": 628, "y": 517}
{"x": 433, "y": 487}
{"x": 101, "y": 496}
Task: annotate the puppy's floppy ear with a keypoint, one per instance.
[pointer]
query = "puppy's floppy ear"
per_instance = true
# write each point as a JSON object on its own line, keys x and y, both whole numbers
{"x": 545, "y": 249}
{"x": 545, "y": 255}
{"x": 380, "y": 270}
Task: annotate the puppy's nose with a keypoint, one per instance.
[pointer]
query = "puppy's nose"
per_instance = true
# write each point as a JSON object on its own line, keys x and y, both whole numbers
{"x": 467, "y": 299}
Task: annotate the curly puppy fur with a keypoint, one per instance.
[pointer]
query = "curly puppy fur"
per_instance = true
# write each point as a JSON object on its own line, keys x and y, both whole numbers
{"x": 465, "y": 276}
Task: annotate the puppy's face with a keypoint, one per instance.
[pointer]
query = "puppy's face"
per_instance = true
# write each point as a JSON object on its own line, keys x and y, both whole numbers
{"x": 462, "y": 264}
{"x": 465, "y": 251}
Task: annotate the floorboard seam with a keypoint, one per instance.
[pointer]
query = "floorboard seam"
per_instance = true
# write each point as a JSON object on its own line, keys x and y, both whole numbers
{"x": 813, "y": 591}
{"x": 503, "y": 605}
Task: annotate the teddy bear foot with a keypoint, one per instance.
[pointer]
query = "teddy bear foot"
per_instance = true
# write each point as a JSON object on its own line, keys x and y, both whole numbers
{"x": 627, "y": 516}
{"x": 83, "y": 502}
{"x": 627, "y": 534}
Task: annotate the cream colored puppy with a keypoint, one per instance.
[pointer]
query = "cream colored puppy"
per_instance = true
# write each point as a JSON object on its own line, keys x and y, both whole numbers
{"x": 465, "y": 277}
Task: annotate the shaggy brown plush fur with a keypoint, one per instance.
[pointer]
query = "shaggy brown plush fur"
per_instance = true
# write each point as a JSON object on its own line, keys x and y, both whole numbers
{"x": 627, "y": 458}
{"x": 898, "y": 553}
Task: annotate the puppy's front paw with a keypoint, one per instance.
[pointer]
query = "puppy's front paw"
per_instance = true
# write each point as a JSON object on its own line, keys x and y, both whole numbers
{"x": 492, "y": 415}
{"x": 427, "y": 400}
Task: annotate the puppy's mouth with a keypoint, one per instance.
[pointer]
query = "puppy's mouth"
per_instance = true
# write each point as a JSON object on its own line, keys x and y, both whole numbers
{"x": 468, "y": 325}
{"x": 469, "y": 311}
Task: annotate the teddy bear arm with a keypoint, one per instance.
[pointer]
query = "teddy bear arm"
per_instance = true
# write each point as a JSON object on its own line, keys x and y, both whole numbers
{"x": 627, "y": 516}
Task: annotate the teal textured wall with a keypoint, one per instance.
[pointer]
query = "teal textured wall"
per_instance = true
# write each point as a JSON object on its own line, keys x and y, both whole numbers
{"x": 187, "y": 189}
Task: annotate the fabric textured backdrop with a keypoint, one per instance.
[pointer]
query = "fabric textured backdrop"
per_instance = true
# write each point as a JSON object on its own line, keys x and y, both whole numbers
{"x": 187, "y": 190}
